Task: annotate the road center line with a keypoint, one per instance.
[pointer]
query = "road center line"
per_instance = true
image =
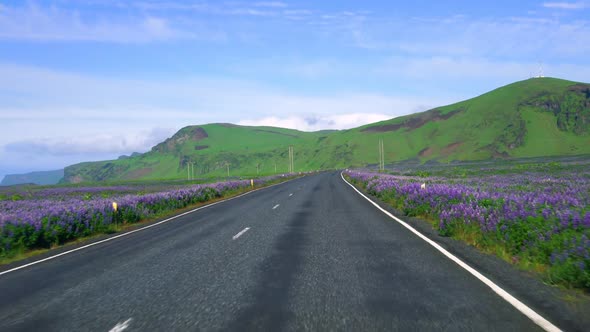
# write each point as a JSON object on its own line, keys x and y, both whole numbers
{"x": 240, "y": 233}
{"x": 530, "y": 313}
{"x": 121, "y": 326}
{"x": 139, "y": 229}
{"x": 276, "y": 206}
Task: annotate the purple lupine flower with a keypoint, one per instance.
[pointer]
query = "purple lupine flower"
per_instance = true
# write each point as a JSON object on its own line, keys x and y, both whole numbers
{"x": 498, "y": 203}
{"x": 66, "y": 212}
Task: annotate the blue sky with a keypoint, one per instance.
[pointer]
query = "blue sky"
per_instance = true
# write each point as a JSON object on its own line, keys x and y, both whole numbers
{"x": 91, "y": 80}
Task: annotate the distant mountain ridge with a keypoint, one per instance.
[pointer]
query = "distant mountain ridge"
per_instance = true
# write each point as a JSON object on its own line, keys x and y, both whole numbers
{"x": 531, "y": 118}
{"x": 41, "y": 178}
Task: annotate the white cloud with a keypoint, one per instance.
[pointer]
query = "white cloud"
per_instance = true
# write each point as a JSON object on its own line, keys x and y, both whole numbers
{"x": 51, "y": 108}
{"x": 257, "y": 9}
{"x": 33, "y": 22}
{"x": 251, "y": 12}
{"x": 565, "y": 5}
{"x": 55, "y": 152}
{"x": 507, "y": 38}
{"x": 116, "y": 143}
{"x": 272, "y": 4}
{"x": 318, "y": 122}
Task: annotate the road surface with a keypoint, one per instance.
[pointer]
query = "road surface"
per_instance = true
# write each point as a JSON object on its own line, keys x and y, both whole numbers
{"x": 310, "y": 254}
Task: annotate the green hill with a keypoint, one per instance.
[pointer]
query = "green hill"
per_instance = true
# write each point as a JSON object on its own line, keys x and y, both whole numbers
{"x": 531, "y": 118}
{"x": 42, "y": 178}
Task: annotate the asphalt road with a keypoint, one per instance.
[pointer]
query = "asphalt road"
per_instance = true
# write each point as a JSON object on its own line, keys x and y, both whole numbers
{"x": 316, "y": 256}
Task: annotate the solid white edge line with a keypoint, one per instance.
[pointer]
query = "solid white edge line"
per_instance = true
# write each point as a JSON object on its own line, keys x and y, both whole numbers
{"x": 240, "y": 233}
{"x": 276, "y": 206}
{"x": 530, "y": 313}
{"x": 121, "y": 326}
{"x": 137, "y": 230}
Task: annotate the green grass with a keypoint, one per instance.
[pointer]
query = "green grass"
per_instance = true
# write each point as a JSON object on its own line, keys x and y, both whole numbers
{"x": 503, "y": 123}
{"x": 544, "y": 138}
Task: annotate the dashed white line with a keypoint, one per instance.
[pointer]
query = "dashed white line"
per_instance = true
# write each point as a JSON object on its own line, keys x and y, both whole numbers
{"x": 136, "y": 230}
{"x": 121, "y": 326}
{"x": 290, "y": 195}
{"x": 530, "y": 313}
{"x": 240, "y": 233}
{"x": 276, "y": 206}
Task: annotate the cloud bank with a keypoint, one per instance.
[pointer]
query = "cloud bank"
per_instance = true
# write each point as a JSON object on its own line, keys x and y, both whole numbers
{"x": 318, "y": 122}
{"x": 91, "y": 144}
{"x": 566, "y": 5}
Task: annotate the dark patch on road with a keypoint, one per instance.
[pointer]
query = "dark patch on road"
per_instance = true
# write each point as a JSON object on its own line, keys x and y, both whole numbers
{"x": 316, "y": 188}
{"x": 277, "y": 274}
{"x": 203, "y": 233}
{"x": 414, "y": 122}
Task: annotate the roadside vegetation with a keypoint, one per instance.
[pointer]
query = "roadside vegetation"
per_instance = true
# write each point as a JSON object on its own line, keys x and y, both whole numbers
{"x": 536, "y": 215}
{"x": 37, "y": 218}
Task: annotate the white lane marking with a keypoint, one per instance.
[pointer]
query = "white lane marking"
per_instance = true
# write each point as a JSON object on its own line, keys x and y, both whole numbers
{"x": 138, "y": 230}
{"x": 290, "y": 195}
{"x": 530, "y": 313}
{"x": 121, "y": 326}
{"x": 276, "y": 206}
{"x": 240, "y": 233}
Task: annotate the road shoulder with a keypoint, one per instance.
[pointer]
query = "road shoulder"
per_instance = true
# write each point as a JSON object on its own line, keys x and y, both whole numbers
{"x": 568, "y": 309}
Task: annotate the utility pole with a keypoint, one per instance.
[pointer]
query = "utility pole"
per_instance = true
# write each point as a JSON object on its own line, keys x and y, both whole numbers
{"x": 383, "y": 154}
{"x": 291, "y": 160}
{"x": 190, "y": 170}
{"x": 257, "y": 168}
{"x": 379, "y": 148}
{"x": 227, "y": 169}
{"x": 275, "y": 167}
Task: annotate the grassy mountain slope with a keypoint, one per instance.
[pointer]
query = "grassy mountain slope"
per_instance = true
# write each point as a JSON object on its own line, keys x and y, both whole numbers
{"x": 41, "y": 178}
{"x": 211, "y": 148}
{"x": 535, "y": 117}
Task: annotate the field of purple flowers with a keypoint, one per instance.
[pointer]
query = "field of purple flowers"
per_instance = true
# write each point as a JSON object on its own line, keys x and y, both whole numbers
{"x": 539, "y": 216}
{"x": 45, "y": 217}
